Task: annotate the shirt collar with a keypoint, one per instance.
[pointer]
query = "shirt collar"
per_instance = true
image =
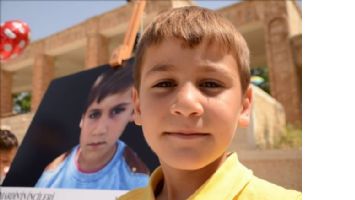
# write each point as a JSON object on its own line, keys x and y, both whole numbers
{"x": 227, "y": 182}
{"x": 155, "y": 179}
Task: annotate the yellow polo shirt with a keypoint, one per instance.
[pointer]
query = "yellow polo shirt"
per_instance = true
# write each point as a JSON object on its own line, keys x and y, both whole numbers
{"x": 232, "y": 181}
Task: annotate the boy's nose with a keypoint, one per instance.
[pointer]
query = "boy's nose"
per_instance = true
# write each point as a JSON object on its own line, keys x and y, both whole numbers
{"x": 102, "y": 127}
{"x": 187, "y": 102}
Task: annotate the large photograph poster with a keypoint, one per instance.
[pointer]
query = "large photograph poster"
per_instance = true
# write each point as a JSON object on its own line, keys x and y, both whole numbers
{"x": 55, "y": 129}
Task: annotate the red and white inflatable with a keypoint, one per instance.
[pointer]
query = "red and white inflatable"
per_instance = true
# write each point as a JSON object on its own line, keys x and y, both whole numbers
{"x": 14, "y": 38}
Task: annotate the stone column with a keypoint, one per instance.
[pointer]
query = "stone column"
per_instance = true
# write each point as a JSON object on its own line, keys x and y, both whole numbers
{"x": 43, "y": 72}
{"x": 296, "y": 43}
{"x": 5, "y": 92}
{"x": 96, "y": 52}
{"x": 284, "y": 84}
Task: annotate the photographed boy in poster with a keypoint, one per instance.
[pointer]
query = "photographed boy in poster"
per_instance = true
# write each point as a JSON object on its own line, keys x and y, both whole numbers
{"x": 8, "y": 149}
{"x": 191, "y": 93}
{"x": 101, "y": 160}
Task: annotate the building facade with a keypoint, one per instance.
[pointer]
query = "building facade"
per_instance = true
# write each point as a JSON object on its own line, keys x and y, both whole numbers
{"x": 272, "y": 29}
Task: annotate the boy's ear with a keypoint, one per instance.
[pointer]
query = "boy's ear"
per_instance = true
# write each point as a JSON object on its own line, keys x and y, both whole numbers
{"x": 247, "y": 100}
{"x": 81, "y": 121}
{"x": 136, "y": 107}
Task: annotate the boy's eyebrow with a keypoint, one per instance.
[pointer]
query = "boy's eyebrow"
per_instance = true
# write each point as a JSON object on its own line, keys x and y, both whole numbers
{"x": 214, "y": 69}
{"x": 121, "y": 104}
{"x": 90, "y": 111}
{"x": 160, "y": 68}
{"x": 203, "y": 68}
{"x": 217, "y": 70}
{"x": 117, "y": 105}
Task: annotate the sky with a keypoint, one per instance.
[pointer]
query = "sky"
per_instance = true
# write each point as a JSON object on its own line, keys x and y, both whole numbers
{"x": 48, "y": 17}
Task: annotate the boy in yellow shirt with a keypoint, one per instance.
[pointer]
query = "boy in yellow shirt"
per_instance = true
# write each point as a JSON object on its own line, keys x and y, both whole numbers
{"x": 191, "y": 92}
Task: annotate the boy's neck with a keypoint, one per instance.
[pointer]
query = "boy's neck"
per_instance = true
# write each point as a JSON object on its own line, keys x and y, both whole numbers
{"x": 180, "y": 184}
{"x": 87, "y": 164}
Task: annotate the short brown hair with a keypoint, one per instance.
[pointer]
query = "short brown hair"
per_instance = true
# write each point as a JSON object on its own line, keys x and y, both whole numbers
{"x": 192, "y": 25}
{"x": 8, "y": 140}
{"x": 115, "y": 80}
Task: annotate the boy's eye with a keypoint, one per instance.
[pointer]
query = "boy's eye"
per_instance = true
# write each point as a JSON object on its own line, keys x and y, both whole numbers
{"x": 117, "y": 110}
{"x": 94, "y": 115}
{"x": 210, "y": 84}
{"x": 165, "y": 84}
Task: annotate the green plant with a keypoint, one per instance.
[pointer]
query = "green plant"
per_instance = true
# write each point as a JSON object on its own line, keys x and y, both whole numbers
{"x": 22, "y": 102}
{"x": 263, "y": 74}
{"x": 292, "y": 138}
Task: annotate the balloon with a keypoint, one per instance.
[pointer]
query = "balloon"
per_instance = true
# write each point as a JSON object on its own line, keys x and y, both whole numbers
{"x": 14, "y": 38}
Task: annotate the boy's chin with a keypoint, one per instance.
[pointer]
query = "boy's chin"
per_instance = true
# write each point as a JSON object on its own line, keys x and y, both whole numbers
{"x": 189, "y": 163}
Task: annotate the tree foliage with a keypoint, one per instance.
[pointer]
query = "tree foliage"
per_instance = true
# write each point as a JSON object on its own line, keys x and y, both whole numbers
{"x": 22, "y": 102}
{"x": 263, "y": 78}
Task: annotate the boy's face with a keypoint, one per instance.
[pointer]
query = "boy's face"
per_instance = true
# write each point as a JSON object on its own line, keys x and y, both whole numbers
{"x": 103, "y": 123}
{"x": 6, "y": 158}
{"x": 190, "y": 103}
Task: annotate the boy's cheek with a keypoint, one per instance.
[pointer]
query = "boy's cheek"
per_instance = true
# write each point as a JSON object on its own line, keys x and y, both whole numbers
{"x": 137, "y": 119}
{"x": 131, "y": 117}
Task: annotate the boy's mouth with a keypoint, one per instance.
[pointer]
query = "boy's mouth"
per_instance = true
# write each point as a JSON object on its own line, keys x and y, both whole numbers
{"x": 186, "y": 135}
{"x": 96, "y": 144}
